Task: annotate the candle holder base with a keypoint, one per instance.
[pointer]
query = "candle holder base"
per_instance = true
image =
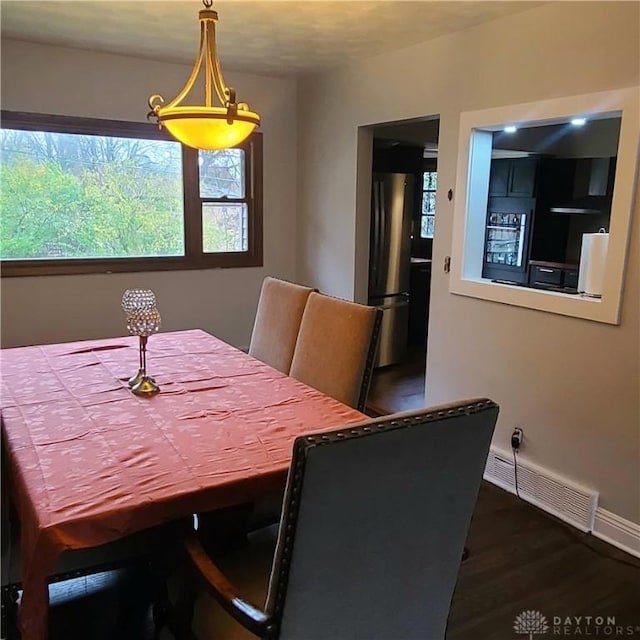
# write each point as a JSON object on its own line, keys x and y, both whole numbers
{"x": 146, "y": 387}
{"x": 134, "y": 380}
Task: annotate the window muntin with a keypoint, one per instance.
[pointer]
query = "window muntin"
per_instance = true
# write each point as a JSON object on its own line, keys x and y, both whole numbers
{"x": 115, "y": 196}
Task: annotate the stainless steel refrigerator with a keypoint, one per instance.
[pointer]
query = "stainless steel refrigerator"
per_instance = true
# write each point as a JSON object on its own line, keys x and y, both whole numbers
{"x": 392, "y": 202}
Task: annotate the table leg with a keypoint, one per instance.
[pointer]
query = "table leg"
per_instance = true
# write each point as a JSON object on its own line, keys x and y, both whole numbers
{"x": 10, "y": 612}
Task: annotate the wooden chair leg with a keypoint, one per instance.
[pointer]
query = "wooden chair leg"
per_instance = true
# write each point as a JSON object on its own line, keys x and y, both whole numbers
{"x": 161, "y": 606}
{"x": 160, "y": 613}
{"x": 223, "y": 529}
{"x": 9, "y": 613}
{"x": 181, "y": 611}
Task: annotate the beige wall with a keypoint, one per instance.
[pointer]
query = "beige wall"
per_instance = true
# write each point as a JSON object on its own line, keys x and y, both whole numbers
{"x": 58, "y": 308}
{"x": 573, "y": 385}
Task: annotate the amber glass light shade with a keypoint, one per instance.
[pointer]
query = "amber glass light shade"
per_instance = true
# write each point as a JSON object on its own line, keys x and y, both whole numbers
{"x": 207, "y": 127}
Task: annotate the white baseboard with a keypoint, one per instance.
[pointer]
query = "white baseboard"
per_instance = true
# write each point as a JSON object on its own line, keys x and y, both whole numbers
{"x": 617, "y": 531}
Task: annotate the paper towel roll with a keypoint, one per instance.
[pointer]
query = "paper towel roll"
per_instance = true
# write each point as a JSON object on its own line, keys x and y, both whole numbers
{"x": 593, "y": 257}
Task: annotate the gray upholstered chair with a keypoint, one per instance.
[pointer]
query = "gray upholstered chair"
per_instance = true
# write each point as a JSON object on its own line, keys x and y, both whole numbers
{"x": 336, "y": 348}
{"x": 277, "y": 322}
{"x": 374, "y": 522}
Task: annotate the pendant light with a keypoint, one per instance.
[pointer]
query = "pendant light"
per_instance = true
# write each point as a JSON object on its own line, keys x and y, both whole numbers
{"x": 206, "y": 126}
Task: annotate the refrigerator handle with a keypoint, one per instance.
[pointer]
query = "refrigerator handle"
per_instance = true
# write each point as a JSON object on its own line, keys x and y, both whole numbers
{"x": 396, "y": 305}
{"x": 382, "y": 223}
{"x": 375, "y": 254}
{"x": 380, "y": 230}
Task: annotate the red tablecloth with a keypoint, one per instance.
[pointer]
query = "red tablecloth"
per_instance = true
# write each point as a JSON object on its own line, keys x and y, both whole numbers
{"x": 91, "y": 462}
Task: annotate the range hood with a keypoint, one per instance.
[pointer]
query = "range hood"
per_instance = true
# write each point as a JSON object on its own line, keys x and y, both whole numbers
{"x": 593, "y": 187}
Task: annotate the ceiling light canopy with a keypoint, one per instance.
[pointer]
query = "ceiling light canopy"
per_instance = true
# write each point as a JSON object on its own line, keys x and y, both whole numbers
{"x": 206, "y": 126}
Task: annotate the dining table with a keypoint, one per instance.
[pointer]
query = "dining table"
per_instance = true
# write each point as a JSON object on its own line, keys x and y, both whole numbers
{"x": 90, "y": 462}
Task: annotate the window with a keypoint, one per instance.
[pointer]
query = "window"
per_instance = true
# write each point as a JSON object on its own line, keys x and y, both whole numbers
{"x": 476, "y": 145}
{"x": 428, "y": 212}
{"x": 85, "y": 196}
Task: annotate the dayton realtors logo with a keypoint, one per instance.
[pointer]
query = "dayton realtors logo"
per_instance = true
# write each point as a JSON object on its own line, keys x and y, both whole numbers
{"x": 533, "y": 623}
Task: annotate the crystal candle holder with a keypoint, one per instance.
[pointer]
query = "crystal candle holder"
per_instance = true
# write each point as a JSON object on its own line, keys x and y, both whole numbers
{"x": 142, "y": 321}
{"x": 134, "y": 300}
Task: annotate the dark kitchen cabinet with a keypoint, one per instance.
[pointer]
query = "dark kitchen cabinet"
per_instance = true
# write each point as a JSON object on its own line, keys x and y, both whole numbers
{"x": 512, "y": 177}
{"x": 507, "y": 239}
{"x": 512, "y": 185}
{"x": 499, "y": 178}
{"x": 553, "y": 275}
{"x": 545, "y": 275}
{"x": 420, "y": 292}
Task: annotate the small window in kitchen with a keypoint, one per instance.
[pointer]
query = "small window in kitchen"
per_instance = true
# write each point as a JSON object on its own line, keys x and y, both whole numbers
{"x": 428, "y": 211}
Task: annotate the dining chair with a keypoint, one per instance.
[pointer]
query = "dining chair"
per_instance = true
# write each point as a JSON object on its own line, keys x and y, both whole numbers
{"x": 277, "y": 322}
{"x": 336, "y": 348}
{"x": 375, "y": 518}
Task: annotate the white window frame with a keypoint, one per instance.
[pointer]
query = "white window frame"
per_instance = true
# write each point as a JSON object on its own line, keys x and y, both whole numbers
{"x": 474, "y": 157}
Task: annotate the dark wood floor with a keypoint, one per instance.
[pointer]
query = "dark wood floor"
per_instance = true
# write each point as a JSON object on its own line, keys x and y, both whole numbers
{"x": 521, "y": 559}
{"x": 398, "y": 387}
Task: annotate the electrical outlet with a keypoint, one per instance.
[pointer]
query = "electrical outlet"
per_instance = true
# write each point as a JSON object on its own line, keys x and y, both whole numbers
{"x": 516, "y": 438}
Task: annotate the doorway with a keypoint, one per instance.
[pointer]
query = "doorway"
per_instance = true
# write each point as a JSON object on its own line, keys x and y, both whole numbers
{"x": 403, "y": 152}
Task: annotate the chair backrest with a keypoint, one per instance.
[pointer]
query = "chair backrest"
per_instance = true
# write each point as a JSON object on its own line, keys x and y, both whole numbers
{"x": 374, "y": 522}
{"x": 277, "y": 322}
{"x": 336, "y": 347}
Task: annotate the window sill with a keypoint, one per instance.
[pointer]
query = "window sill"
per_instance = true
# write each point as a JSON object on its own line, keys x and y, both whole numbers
{"x": 27, "y": 268}
{"x": 567, "y": 304}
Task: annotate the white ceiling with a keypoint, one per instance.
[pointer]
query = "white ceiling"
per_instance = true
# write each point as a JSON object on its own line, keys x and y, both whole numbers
{"x": 285, "y": 37}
